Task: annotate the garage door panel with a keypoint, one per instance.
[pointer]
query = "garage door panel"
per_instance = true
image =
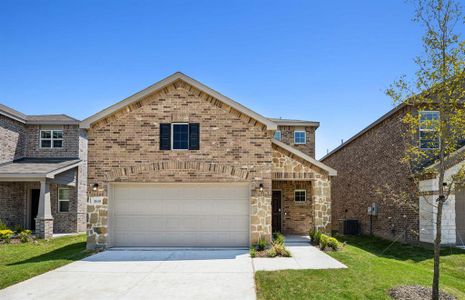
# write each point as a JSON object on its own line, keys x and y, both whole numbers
{"x": 181, "y": 215}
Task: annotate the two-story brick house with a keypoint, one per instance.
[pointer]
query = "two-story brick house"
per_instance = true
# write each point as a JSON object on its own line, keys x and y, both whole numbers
{"x": 179, "y": 164}
{"x": 42, "y": 172}
{"x": 371, "y": 175}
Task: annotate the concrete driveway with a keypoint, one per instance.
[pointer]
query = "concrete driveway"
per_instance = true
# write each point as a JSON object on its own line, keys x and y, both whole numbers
{"x": 145, "y": 274}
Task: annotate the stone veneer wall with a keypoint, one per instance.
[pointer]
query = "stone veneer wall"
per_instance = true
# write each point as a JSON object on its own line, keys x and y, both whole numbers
{"x": 13, "y": 141}
{"x": 287, "y": 137}
{"x": 290, "y": 171}
{"x": 124, "y": 147}
{"x": 369, "y": 170}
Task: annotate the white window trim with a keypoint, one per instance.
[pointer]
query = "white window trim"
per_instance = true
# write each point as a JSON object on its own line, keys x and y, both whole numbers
{"x": 305, "y": 193}
{"x": 420, "y": 130}
{"x": 62, "y": 200}
{"x": 280, "y": 135}
{"x": 51, "y": 139}
{"x": 172, "y": 136}
{"x": 305, "y": 137}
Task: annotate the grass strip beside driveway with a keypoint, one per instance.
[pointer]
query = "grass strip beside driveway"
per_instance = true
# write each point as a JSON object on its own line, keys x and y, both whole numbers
{"x": 19, "y": 262}
{"x": 372, "y": 271}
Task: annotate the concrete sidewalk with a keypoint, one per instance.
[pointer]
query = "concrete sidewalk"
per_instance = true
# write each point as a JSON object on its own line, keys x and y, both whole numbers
{"x": 304, "y": 256}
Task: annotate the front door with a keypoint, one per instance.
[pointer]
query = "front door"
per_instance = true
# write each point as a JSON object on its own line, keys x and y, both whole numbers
{"x": 35, "y": 195}
{"x": 276, "y": 211}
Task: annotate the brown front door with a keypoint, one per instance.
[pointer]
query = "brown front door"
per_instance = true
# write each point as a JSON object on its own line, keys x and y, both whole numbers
{"x": 276, "y": 211}
{"x": 35, "y": 195}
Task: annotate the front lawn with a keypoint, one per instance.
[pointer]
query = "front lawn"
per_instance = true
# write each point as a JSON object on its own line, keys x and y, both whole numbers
{"x": 19, "y": 262}
{"x": 373, "y": 268}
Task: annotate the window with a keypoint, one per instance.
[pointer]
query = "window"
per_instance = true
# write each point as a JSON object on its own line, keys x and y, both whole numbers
{"x": 277, "y": 135}
{"x": 300, "y": 137}
{"x": 300, "y": 195}
{"x": 51, "y": 139}
{"x": 180, "y": 136}
{"x": 429, "y": 122}
{"x": 63, "y": 199}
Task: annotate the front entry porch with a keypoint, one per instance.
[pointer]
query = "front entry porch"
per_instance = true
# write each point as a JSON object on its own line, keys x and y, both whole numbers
{"x": 41, "y": 195}
{"x": 301, "y": 192}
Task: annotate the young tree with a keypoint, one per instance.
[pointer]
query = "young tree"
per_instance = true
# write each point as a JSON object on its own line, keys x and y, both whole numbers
{"x": 436, "y": 121}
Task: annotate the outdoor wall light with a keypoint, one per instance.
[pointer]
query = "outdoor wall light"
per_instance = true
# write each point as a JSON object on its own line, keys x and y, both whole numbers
{"x": 261, "y": 187}
{"x": 95, "y": 187}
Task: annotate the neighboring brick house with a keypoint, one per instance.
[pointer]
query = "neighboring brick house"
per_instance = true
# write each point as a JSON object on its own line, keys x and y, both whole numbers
{"x": 179, "y": 164}
{"x": 370, "y": 172}
{"x": 43, "y": 174}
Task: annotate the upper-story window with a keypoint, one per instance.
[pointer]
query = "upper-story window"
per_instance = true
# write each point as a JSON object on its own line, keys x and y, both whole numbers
{"x": 179, "y": 136}
{"x": 277, "y": 135}
{"x": 300, "y": 137}
{"x": 51, "y": 138}
{"x": 428, "y": 129}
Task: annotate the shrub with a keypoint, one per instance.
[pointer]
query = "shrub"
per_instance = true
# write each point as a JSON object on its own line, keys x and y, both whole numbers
{"x": 278, "y": 238}
{"x": 281, "y": 250}
{"x": 315, "y": 235}
{"x": 3, "y": 226}
{"x": 324, "y": 239}
{"x": 334, "y": 244}
{"x": 271, "y": 252}
{"x": 24, "y": 236}
{"x": 261, "y": 245}
{"x": 6, "y": 235}
{"x": 18, "y": 229}
{"x": 253, "y": 252}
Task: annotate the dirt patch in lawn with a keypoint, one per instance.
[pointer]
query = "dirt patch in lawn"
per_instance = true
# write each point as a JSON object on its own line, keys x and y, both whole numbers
{"x": 416, "y": 292}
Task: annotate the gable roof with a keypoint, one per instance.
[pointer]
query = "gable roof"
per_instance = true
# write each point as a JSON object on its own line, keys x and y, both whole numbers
{"x": 86, "y": 123}
{"x": 304, "y": 156}
{"x": 292, "y": 122}
{"x": 59, "y": 119}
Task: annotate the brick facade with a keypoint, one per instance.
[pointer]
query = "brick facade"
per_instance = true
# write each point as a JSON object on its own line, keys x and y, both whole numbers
{"x": 13, "y": 139}
{"x": 287, "y": 137}
{"x": 70, "y": 142}
{"x": 370, "y": 171}
{"x": 14, "y": 201}
{"x": 233, "y": 148}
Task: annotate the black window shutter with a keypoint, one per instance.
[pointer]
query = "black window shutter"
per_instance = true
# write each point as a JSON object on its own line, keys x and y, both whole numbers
{"x": 165, "y": 136}
{"x": 194, "y": 136}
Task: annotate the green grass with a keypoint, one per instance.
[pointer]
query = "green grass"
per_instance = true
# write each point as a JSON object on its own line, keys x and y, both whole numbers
{"x": 19, "y": 262}
{"x": 373, "y": 268}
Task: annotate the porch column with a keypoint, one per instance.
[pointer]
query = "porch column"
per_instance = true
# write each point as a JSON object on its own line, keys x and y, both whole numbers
{"x": 44, "y": 219}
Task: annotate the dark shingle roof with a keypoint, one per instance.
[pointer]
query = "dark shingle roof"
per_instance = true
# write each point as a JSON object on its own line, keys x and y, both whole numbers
{"x": 35, "y": 167}
{"x": 59, "y": 119}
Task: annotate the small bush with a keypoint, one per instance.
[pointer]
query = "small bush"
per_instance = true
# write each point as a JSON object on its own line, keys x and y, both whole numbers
{"x": 271, "y": 252}
{"x": 281, "y": 250}
{"x": 334, "y": 244}
{"x": 253, "y": 252}
{"x": 18, "y": 229}
{"x": 24, "y": 236}
{"x": 278, "y": 238}
{"x": 6, "y": 235}
{"x": 315, "y": 236}
{"x": 261, "y": 245}
{"x": 3, "y": 226}
{"x": 324, "y": 240}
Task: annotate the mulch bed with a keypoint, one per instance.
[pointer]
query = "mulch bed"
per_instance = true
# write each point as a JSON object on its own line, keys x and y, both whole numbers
{"x": 416, "y": 292}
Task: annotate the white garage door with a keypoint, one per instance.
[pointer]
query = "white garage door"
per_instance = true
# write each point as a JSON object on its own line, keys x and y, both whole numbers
{"x": 179, "y": 215}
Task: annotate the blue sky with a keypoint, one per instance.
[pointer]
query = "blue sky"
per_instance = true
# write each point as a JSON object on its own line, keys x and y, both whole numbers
{"x": 327, "y": 61}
